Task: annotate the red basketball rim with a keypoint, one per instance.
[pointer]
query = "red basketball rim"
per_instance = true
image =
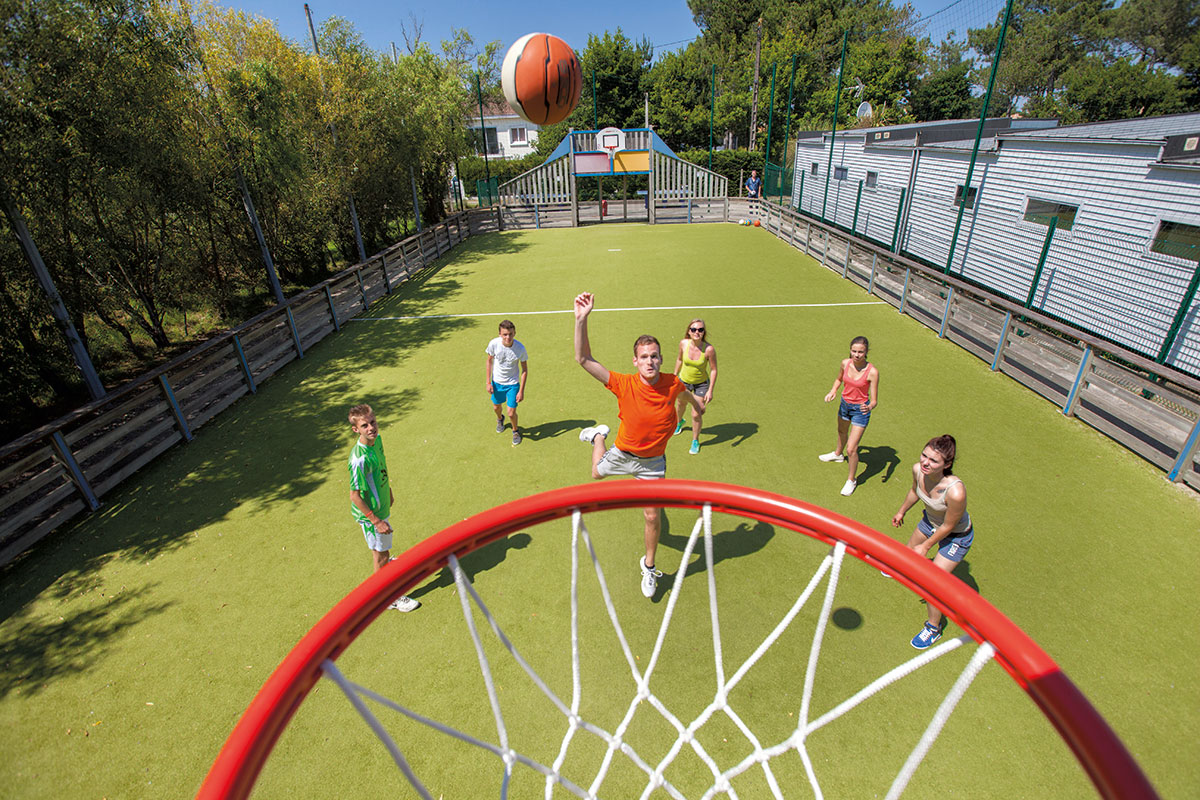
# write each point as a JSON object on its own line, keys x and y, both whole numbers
{"x": 1109, "y": 765}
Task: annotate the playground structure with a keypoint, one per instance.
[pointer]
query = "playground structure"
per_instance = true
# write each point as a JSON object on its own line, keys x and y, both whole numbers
{"x": 674, "y": 190}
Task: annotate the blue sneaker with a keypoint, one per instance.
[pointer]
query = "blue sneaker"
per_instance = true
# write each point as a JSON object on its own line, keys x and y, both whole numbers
{"x": 928, "y": 635}
{"x": 695, "y": 448}
{"x": 678, "y": 427}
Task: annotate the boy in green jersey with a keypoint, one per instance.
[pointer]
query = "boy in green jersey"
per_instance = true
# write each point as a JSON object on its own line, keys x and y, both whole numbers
{"x": 370, "y": 495}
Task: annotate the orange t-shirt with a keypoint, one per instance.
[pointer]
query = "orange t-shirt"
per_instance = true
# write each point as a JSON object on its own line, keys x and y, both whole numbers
{"x": 647, "y": 412}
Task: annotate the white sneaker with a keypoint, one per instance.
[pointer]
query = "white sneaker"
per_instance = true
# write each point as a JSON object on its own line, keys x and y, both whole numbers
{"x": 649, "y": 578}
{"x": 405, "y": 604}
{"x": 848, "y": 489}
{"x": 588, "y": 434}
{"x": 834, "y": 456}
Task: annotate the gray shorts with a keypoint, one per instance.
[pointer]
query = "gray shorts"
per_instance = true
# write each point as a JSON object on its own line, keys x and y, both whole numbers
{"x": 618, "y": 462}
{"x": 698, "y": 389}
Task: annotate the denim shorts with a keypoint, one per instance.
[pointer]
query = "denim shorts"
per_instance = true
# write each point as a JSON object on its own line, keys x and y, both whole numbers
{"x": 505, "y": 393}
{"x": 955, "y": 546}
{"x": 855, "y": 412}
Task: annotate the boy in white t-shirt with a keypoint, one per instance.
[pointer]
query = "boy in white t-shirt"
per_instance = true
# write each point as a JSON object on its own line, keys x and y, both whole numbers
{"x": 507, "y": 371}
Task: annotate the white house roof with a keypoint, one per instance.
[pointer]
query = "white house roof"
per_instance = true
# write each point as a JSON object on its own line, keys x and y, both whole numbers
{"x": 1151, "y": 130}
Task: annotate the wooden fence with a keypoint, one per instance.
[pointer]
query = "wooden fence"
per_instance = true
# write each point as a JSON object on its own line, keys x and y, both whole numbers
{"x": 1149, "y": 408}
{"x": 50, "y": 475}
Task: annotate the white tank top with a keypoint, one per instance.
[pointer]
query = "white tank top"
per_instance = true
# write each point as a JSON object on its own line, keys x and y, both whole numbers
{"x": 935, "y": 510}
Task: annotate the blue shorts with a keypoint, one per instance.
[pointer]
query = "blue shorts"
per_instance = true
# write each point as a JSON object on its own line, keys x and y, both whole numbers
{"x": 505, "y": 393}
{"x": 955, "y": 546}
{"x": 855, "y": 412}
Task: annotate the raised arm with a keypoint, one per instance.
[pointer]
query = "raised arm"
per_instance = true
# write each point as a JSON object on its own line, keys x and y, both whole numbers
{"x": 910, "y": 500}
{"x": 584, "y": 303}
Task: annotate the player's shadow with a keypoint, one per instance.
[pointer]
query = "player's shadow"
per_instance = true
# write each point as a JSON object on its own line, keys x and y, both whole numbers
{"x": 475, "y": 562}
{"x": 742, "y": 540}
{"x": 736, "y": 432}
{"x": 874, "y": 459}
{"x": 549, "y": 430}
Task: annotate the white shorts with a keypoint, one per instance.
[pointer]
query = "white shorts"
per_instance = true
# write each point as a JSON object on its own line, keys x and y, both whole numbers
{"x": 618, "y": 462}
{"x": 379, "y": 542}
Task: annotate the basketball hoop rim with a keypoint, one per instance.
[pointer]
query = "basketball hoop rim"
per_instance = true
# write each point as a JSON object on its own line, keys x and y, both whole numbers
{"x": 1105, "y": 759}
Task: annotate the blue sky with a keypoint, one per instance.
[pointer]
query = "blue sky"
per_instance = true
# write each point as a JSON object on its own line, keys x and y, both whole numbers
{"x": 666, "y": 23}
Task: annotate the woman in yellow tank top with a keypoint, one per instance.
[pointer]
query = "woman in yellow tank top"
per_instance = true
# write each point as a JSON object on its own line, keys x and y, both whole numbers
{"x": 696, "y": 366}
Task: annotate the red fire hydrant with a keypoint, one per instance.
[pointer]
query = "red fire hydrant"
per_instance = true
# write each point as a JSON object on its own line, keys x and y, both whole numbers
{"x": 604, "y": 208}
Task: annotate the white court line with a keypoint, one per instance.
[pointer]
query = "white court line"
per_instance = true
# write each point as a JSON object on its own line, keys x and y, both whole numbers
{"x": 643, "y": 308}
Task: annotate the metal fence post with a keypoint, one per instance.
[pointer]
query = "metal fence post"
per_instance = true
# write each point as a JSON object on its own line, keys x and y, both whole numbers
{"x": 871, "y": 283}
{"x": 904, "y": 294}
{"x": 1186, "y": 454}
{"x": 362, "y": 290}
{"x": 175, "y": 409}
{"x": 332, "y": 310}
{"x": 1085, "y": 363}
{"x": 241, "y": 354}
{"x": 1000, "y": 345}
{"x": 295, "y": 333}
{"x": 857, "y": 200}
{"x": 899, "y": 213}
{"x": 846, "y": 262}
{"x": 1037, "y": 273}
{"x": 946, "y": 313}
{"x": 387, "y": 281}
{"x": 77, "y": 477}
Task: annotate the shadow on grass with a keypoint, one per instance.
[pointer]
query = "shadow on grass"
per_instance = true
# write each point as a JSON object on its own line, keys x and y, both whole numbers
{"x": 272, "y": 448}
{"x": 743, "y": 540}
{"x": 736, "y": 432}
{"x": 875, "y": 459}
{"x": 475, "y": 562}
{"x": 550, "y": 430}
{"x": 40, "y": 651}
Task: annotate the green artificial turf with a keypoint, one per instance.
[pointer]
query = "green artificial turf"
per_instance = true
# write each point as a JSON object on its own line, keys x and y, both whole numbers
{"x": 133, "y": 640}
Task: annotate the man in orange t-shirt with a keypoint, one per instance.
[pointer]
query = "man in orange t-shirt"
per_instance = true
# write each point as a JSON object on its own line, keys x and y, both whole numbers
{"x": 646, "y": 406}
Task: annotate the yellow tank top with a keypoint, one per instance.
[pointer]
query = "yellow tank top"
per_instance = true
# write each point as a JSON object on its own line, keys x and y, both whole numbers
{"x": 694, "y": 372}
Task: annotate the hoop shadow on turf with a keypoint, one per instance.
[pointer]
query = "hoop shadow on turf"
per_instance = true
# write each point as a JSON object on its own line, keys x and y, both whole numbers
{"x": 742, "y": 540}
{"x": 475, "y": 562}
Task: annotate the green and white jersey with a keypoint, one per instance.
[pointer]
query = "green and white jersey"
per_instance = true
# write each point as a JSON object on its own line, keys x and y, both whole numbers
{"x": 369, "y": 475}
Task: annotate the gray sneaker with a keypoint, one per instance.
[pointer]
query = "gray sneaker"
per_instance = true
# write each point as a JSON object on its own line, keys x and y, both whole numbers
{"x": 405, "y": 604}
{"x": 516, "y": 438}
{"x": 499, "y": 426}
{"x": 650, "y": 577}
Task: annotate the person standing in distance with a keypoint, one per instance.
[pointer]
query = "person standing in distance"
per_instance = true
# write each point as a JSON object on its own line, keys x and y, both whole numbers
{"x": 507, "y": 368}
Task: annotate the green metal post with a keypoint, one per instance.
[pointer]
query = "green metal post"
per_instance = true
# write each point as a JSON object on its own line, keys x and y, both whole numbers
{"x": 595, "y": 124}
{"x": 899, "y": 213}
{"x": 712, "y": 110}
{"x": 987, "y": 98}
{"x": 487, "y": 170}
{"x": 1037, "y": 273}
{"x": 833, "y": 136}
{"x": 1188, "y": 297}
{"x": 857, "y": 201}
{"x": 800, "y": 199}
{"x": 770, "y": 117}
{"x": 787, "y": 131}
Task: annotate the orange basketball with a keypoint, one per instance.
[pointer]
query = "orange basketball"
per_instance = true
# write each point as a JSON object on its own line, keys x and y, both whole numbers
{"x": 542, "y": 79}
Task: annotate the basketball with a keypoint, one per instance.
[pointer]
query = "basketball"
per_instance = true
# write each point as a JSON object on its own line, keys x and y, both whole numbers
{"x": 542, "y": 78}
{"x": 757, "y": 224}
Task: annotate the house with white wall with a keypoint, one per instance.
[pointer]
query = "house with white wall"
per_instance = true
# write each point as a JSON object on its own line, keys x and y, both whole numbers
{"x": 507, "y": 135}
{"x": 1123, "y": 258}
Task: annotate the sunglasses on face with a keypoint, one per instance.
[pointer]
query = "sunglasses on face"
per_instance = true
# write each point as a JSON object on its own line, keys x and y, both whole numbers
{"x": 695, "y": 330}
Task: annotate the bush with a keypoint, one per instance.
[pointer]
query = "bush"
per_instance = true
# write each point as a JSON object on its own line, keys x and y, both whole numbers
{"x": 733, "y": 164}
{"x": 473, "y": 169}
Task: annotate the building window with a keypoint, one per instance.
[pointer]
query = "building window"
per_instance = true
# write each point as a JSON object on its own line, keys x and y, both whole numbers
{"x": 1042, "y": 211}
{"x": 1177, "y": 239}
{"x": 518, "y": 136}
{"x": 815, "y": 168}
{"x": 872, "y": 180}
{"x": 840, "y": 173}
{"x": 958, "y": 195}
{"x": 493, "y": 142}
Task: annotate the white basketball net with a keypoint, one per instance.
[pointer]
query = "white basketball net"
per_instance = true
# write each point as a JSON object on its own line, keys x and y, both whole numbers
{"x": 758, "y": 756}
